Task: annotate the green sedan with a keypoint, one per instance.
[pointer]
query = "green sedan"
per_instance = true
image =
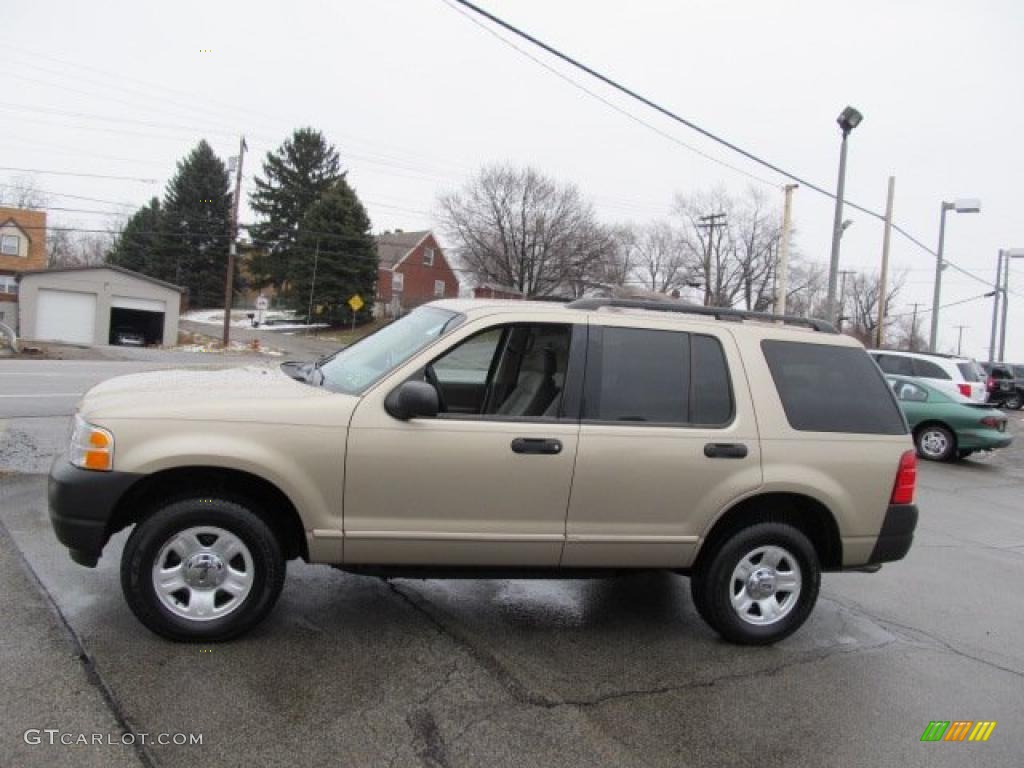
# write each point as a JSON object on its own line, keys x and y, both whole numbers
{"x": 946, "y": 429}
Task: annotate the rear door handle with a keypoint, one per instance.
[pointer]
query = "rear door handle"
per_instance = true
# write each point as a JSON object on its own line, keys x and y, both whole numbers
{"x": 725, "y": 450}
{"x": 536, "y": 445}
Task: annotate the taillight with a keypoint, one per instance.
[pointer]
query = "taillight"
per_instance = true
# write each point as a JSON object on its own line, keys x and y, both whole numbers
{"x": 991, "y": 421}
{"x": 906, "y": 479}
{"x": 990, "y": 384}
{"x": 965, "y": 389}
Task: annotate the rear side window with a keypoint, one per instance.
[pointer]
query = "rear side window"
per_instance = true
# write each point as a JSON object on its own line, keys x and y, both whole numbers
{"x": 929, "y": 370}
{"x": 659, "y": 377}
{"x": 901, "y": 366}
{"x": 969, "y": 370}
{"x": 827, "y": 388}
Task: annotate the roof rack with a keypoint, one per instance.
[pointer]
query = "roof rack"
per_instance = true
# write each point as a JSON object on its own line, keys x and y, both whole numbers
{"x": 719, "y": 313}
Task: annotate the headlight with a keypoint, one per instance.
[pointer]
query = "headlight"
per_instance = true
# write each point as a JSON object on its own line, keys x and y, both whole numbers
{"x": 92, "y": 447}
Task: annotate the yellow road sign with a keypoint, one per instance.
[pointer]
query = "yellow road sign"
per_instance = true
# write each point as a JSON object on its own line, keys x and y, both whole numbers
{"x": 356, "y": 302}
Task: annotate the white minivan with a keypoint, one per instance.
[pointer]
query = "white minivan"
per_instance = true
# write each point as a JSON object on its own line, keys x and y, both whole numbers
{"x": 953, "y": 375}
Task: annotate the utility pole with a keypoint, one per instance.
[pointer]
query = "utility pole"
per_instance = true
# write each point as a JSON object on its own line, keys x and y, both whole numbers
{"x": 783, "y": 272}
{"x": 883, "y": 286}
{"x": 960, "y": 337}
{"x": 842, "y": 296}
{"x": 913, "y": 330}
{"x": 229, "y": 280}
{"x": 1007, "y": 255}
{"x": 312, "y": 285}
{"x": 995, "y": 307}
{"x": 710, "y": 222}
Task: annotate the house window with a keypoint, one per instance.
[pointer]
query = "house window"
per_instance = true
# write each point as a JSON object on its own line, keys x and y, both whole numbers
{"x": 397, "y": 281}
{"x": 428, "y": 257}
{"x": 439, "y": 287}
{"x": 9, "y": 245}
{"x": 8, "y": 284}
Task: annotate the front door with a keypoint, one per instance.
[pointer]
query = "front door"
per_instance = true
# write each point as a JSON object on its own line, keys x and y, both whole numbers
{"x": 486, "y": 482}
{"x": 667, "y": 439}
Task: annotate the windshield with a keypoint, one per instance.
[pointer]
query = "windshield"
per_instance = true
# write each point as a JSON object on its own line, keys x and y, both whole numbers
{"x": 357, "y": 367}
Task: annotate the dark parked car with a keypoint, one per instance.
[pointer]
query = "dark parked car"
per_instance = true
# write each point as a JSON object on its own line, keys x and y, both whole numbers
{"x": 1005, "y": 384}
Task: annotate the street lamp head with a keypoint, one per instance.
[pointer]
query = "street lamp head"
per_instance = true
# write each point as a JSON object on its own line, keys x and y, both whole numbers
{"x": 846, "y": 225}
{"x": 967, "y": 205}
{"x": 849, "y": 119}
{"x": 1014, "y": 253}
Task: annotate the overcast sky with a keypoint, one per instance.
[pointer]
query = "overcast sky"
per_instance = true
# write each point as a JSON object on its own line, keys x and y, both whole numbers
{"x": 416, "y": 96}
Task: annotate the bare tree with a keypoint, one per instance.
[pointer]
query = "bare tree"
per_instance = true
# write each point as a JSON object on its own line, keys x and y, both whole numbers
{"x": 860, "y": 303}
{"x": 736, "y": 257}
{"x": 22, "y": 192}
{"x": 664, "y": 262}
{"x": 808, "y": 281}
{"x": 67, "y": 246}
{"x": 516, "y": 227}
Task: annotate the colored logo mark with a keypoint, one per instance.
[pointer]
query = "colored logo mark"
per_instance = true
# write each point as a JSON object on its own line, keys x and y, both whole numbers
{"x": 958, "y": 730}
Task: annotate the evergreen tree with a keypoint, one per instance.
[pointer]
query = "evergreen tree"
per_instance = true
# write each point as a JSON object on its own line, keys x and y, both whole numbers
{"x": 338, "y": 229}
{"x": 137, "y": 246}
{"x": 194, "y": 232}
{"x": 295, "y": 176}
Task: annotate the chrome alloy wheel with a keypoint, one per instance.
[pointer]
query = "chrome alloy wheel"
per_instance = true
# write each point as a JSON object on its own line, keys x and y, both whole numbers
{"x": 765, "y": 585}
{"x": 203, "y": 573}
{"x": 934, "y": 443}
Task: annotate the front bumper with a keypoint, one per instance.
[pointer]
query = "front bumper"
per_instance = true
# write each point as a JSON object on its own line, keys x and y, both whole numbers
{"x": 82, "y": 505}
{"x": 897, "y": 534}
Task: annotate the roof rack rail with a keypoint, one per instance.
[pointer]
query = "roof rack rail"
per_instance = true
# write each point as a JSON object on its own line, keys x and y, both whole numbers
{"x": 719, "y": 313}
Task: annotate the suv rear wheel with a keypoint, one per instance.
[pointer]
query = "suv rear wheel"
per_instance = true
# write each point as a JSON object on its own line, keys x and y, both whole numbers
{"x": 759, "y": 585}
{"x": 202, "y": 569}
{"x": 1014, "y": 401}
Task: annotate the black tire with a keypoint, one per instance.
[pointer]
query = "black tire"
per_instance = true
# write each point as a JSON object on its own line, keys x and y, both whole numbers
{"x": 935, "y": 442}
{"x": 1014, "y": 402}
{"x": 712, "y": 584}
{"x": 155, "y": 533}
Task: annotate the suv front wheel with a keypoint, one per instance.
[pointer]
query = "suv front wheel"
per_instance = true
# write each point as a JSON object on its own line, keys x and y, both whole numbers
{"x": 759, "y": 585}
{"x": 202, "y": 569}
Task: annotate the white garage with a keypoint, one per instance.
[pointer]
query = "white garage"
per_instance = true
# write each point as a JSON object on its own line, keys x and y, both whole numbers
{"x": 98, "y": 305}
{"x": 66, "y": 316}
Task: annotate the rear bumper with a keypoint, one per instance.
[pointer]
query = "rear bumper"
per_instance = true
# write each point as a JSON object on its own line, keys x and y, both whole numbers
{"x": 978, "y": 440}
{"x": 897, "y": 534}
{"x": 82, "y": 504}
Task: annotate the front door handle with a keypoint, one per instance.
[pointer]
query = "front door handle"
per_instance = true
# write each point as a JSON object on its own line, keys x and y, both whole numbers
{"x": 536, "y": 445}
{"x": 725, "y": 450}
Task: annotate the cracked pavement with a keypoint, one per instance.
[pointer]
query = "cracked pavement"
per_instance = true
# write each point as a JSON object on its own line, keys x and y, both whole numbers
{"x": 363, "y": 671}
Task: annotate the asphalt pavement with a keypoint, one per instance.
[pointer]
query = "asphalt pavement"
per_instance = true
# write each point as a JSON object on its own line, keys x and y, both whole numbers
{"x": 360, "y": 671}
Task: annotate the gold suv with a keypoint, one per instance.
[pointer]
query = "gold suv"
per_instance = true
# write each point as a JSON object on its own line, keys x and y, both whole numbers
{"x": 749, "y": 452}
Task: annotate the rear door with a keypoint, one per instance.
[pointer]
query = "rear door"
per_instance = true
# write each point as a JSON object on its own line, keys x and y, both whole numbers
{"x": 667, "y": 439}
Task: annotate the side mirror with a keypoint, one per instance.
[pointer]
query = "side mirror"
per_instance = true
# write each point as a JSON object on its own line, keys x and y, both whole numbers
{"x": 413, "y": 399}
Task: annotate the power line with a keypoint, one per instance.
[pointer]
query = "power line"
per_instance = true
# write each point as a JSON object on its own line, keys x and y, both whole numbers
{"x": 689, "y": 123}
{"x": 944, "y": 306}
{"x": 82, "y": 175}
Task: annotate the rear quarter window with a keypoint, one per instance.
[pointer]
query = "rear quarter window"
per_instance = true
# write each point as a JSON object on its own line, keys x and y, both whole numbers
{"x": 827, "y": 388}
{"x": 970, "y": 372}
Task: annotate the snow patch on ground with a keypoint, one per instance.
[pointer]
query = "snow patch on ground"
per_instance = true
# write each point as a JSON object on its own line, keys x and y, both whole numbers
{"x": 239, "y": 319}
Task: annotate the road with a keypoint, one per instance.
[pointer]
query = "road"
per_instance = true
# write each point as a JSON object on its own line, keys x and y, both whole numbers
{"x": 295, "y": 345}
{"x": 358, "y": 671}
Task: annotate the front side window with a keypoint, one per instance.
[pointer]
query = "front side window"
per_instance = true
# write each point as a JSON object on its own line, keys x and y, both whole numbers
{"x": 830, "y": 388}
{"x": 513, "y": 371}
{"x": 354, "y": 369}
{"x": 10, "y": 245}
{"x": 908, "y": 392}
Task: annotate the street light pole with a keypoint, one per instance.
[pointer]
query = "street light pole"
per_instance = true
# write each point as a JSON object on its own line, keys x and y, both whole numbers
{"x": 995, "y": 308}
{"x": 1010, "y": 253}
{"x": 964, "y": 205}
{"x": 848, "y": 119}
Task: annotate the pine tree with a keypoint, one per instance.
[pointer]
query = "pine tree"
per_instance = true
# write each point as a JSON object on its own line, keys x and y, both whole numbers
{"x": 295, "y": 176}
{"x": 137, "y": 246}
{"x": 194, "y": 232}
{"x": 337, "y": 227}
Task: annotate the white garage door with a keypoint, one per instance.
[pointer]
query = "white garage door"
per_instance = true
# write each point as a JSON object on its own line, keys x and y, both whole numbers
{"x": 66, "y": 316}
{"x": 127, "y": 302}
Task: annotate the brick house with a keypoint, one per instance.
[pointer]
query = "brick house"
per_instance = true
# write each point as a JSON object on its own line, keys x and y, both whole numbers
{"x": 22, "y": 248}
{"x": 495, "y": 291}
{"x": 412, "y": 270}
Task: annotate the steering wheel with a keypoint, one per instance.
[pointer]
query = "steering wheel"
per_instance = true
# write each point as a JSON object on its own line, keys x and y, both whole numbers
{"x": 431, "y": 377}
